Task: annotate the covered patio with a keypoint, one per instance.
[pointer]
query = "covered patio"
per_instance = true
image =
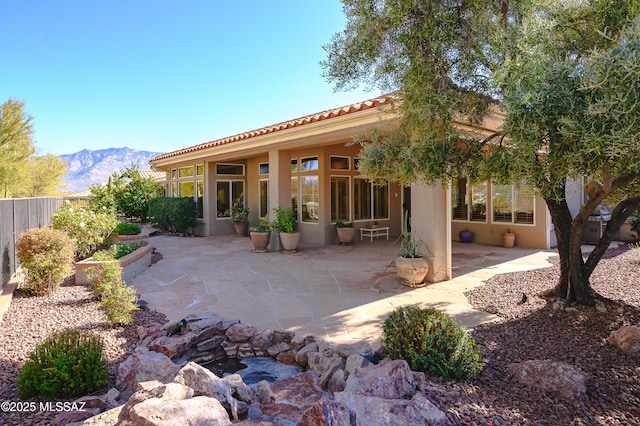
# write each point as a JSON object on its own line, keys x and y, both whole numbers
{"x": 339, "y": 293}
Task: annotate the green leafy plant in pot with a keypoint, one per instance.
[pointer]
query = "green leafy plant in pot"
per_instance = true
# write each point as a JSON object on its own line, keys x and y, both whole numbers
{"x": 411, "y": 265}
{"x": 285, "y": 224}
{"x": 346, "y": 232}
{"x": 239, "y": 214}
{"x": 260, "y": 235}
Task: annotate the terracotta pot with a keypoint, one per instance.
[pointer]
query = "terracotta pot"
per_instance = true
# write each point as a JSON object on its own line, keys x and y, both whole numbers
{"x": 289, "y": 241}
{"x": 508, "y": 240}
{"x": 346, "y": 235}
{"x": 412, "y": 271}
{"x": 260, "y": 240}
{"x": 241, "y": 228}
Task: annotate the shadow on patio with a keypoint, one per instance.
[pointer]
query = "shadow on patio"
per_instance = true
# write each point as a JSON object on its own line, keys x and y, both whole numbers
{"x": 340, "y": 293}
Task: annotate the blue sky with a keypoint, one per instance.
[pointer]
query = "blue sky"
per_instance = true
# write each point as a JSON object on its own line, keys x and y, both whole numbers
{"x": 164, "y": 75}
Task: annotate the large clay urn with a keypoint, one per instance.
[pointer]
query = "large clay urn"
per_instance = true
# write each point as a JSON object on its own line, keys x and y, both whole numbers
{"x": 289, "y": 241}
{"x": 412, "y": 271}
{"x": 260, "y": 240}
{"x": 346, "y": 235}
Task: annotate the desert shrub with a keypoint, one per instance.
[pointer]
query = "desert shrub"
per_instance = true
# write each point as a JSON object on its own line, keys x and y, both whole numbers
{"x": 102, "y": 278}
{"x": 176, "y": 215}
{"x": 88, "y": 228}
{"x": 119, "y": 301}
{"x": 122, "y": 249}
{"x": 126, "y": 228}
{"x": 47, "y": 256}
{"x": 67, "y": 364}
{"x": 430, "y": 341}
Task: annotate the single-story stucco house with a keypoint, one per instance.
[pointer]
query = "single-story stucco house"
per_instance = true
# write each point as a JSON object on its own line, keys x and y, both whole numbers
{"x": 306, "y": 163}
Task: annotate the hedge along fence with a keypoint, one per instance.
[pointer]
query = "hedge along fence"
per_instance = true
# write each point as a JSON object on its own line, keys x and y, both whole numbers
{"x": 16, "y": 216}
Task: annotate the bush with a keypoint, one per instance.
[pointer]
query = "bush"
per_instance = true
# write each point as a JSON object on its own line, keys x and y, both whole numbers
{"x": 119, "y": 301}
{"x": 175, "y": 215}
{"x": 122, "y": 249}
{"x": 47, "y": 256}
{"x": 102, "y": 278}
{"x": 126, "y": 228}
{"x": 88, "y": 228}
{"x": 67, "y": 364}
{"x": 430, "y": 341}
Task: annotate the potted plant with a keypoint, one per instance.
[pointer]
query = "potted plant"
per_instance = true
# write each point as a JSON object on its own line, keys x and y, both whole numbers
{"x": 239, "y": 213}
{"x": 285, "y": 224}
{"x": 260, "y": 235}
{"x": 346, "y": 232}
{"x": 411, "y": 265}
{"x": 465, "y": 235}
{"x": 508, "y": 238}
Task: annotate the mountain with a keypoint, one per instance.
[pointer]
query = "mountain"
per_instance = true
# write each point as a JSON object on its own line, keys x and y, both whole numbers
{"x": 88, "y": 167}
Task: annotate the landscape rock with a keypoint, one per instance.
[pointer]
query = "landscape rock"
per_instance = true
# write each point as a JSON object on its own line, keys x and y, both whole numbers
{"x": 245, "y": 350}
{"x": 207, "y": 325}
{"x": 65, "y": 417}
{"x": 301, "y": 355}
{"x": 327, "y": 412}
{"x": 212, "y": 343}
{"x": 354, "y": 362}
{"x": 372, "y": 410}
{"x": 141, "y": 367}
{"x": 173, "y": 346}
{"x": 138, "y": 397}
{"x": 287, "y": 357}
{"x": 347, "y": 349}
{"x": 262, "y": 341}
{"x": 200, "y": 410}
{"x": 280, "y": 336}
{"x": 241, "y": 333}
{"x": 151, "y": 330}
{"x": 391, "y": 379}
{"x": 557, "y": 378}
{"x": 277, "y": 348}
{"x": 238, "y": 387}
{"x": 262, "y": 393}
{"x": 292, "y": 397}
{"x": 337, "y": 381}
{"x": 627, "y": 339}
{"x": 230, "y": 349}
{"x": 337, "y": 363}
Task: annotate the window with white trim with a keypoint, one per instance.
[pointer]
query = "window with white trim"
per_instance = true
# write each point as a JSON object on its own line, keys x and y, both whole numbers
{"x": 310, "y": 198}
{"x": 226, "y": 192}
{"x": 188, "y": 181}
{"x": 465, "y": 194}
{"x": 264, "y": 197}
{"x": 370, "y": 201}
{"x": 340, "y": 200}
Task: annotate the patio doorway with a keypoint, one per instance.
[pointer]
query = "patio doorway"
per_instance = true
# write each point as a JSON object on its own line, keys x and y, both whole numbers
{"x": 406, "y": 205}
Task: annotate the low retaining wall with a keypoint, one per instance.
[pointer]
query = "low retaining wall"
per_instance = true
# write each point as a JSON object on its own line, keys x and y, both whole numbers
{"x": 128, "y": 239}
{"x": 132, "y": 264}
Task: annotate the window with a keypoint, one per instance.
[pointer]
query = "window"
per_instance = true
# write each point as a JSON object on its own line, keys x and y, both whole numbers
{"x": 294, "y": 165}
{"x": 340, "y": 199}
{"x": 230, "y": 169}
{"x": 310, "y": 197}
{"x": 356, "y": 163}
{"x": 263, "y": 168}
{"x": 294, "y": 195}
{"x": 465, "y": 194}
{"x": 309, "y": 163}
{"x": 501, "y": 200}
{"x": 188, "y": 182}
{"x": 524, "y": 203}
{"x": 339, "y": 163}
{"x": 264, "y": 197}
{"x": 370, "y": 201}
{"x": 226, "y": 192}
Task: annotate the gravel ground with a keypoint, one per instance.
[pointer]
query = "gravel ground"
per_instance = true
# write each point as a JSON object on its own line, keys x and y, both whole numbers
{"x": 530, "y": 330}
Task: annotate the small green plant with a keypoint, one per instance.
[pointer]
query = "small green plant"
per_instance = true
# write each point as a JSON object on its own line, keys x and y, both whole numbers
{"x": 47, "y": 256}
{"x": 432, "y": 342}
{"x": 239, "y": 212}
{"x": 285, "y": 220}
{"x": 262, "y": 226}
{"x": 126, "y": 228}
{"x": 122, "y": 249}
{"x": 410, "y": 244}
{"x": 67, "y": 364}
{"x": 87, "y": 228}
{"x": 102, "y": 278}
{"x": 344, "y": 224}
{"x": 119, "y": 301}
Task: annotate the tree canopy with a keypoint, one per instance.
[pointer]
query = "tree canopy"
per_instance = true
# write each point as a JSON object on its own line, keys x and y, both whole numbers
{"x": 567, "y": 75}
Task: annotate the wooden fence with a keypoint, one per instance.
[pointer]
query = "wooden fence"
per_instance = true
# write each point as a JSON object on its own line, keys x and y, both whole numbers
{"x": 16, "y": 216}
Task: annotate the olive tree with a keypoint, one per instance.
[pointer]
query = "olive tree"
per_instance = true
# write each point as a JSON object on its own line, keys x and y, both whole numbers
{"x": 567, "y": 74}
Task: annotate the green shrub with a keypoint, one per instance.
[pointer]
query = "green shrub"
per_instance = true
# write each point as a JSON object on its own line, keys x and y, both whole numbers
{"x": 47, "y": 256}
{"x": 175, "y": 215}
{"x": 119, "y": 301}
{"x": 122, "y": 249}
{"x": 88, "y": 228}
{"x": 430, "y": 341}
{"x": 102, "y": 278}
{"x": 126, "y": 228}
{"x": 67, "y": 364}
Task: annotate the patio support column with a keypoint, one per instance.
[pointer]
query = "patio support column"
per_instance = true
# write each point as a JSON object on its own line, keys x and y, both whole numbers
{"x": 279, "y": 187}
{"x": 431, "y": 221}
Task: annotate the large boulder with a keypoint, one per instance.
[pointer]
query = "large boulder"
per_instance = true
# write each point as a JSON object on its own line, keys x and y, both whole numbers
{"x": 141, "y": 367}
{"x": 389, "y": 379}
{"x": 241, "y": 333}
{"x": 557, "y": 378}
{"x": 347, "y": 349}
{"x": 200, "y": 410}
{"x": 627, "y": 339}
{"x": 173, "y": 346}
{"x": 291, "y": 398}
{"x": 206, "y": 325}
{"x": 372, "y": 410}
{"x": 327, "y": 412}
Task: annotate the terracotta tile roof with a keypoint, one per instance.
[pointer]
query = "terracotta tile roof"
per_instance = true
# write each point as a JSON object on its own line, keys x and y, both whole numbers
{"x": 308, "y": 119}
